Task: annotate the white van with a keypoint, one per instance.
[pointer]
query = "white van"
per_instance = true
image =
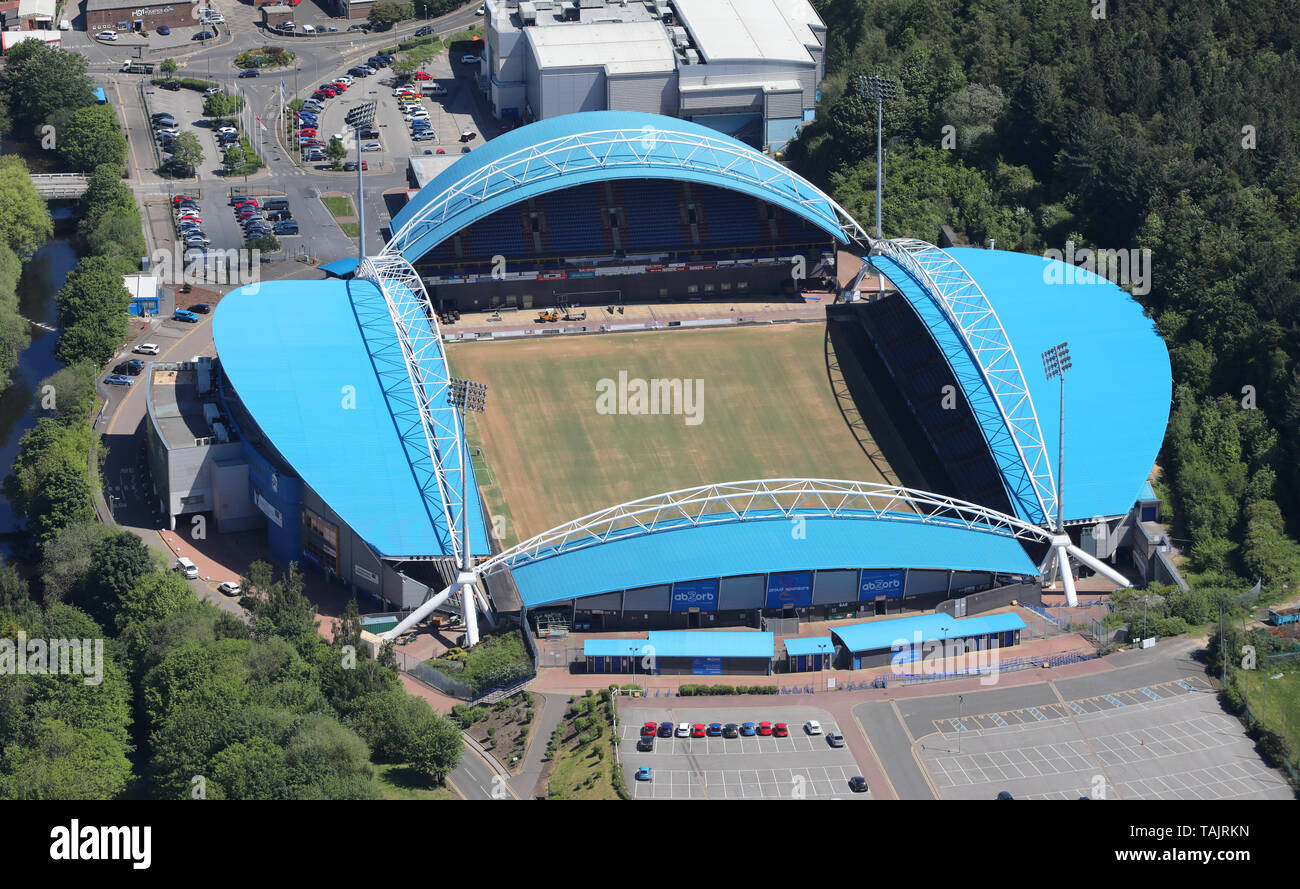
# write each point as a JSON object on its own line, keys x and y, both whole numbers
{"x": 187, "y": 568}
{"x": 65, "y": 25}
{"x": 309, "y": 29}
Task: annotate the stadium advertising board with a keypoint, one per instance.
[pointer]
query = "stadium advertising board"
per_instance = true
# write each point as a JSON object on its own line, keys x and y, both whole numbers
{"x": 880, "y": 583}
{"x": 701, "y": 594}
{"x": 789, "y": 590}
{"x": 706, "y": 666}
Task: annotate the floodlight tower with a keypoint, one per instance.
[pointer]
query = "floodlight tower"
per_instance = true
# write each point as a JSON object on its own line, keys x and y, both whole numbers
{"x": 464, "y": 396}
{"x": 882, "y": 89}
{"x": 1056, "y": 361}
{"x": 359, "y": 118}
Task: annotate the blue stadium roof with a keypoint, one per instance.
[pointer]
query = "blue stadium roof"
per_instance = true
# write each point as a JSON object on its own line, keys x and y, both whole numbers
{"x": 758, "y": 546}
{"x": 318, "y": 366}
{"x": 801, "y": 645}
{"x": 1117, "y": 391}
{"x": 614, "y": 647}
{"x": 879, "y": 634}
{"x": 597, "y": 146}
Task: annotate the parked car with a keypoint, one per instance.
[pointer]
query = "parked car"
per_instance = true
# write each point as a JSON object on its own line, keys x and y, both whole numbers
{"x": 730, "y": 730}
{"x": 238, "y": 201}
{"x": 697, "y": 730}
{"x": 835, "y": 739}
{"x": 649, "y": 729}
{"x": 422, "y": 75}
{"x": 173, "y": 85}
{"x": 360, "y": 71}
{"x": 469, "y": 60}
{"x": 164, "y": 31}
{"x": 200, "y": 308}
{"x": 286, "y": 228}
{"x": 748, "y": 730}
{"x": 211, "y": 91}
{"x": 370, "y": 134}
{"x": 351, "y": 166}
{"x": 714, "y": 730}
{"x": 203, "y": 35}
{"x": 644, "y": 773}
{"x": 423, "y": 136}
{"x": 812, "y": 727}
{"x": 683, "y": 730}
{"x": 345, "y": 79}
{"x": 467, "y": 135}
{"x": 665, "y": 729}
{"x": 188, "y": 317}
{"x": 765, "y": 729}
{"x": 163, "y": 117}
{"x": 118, "y": 380}
{"x": 372, "y": 146}
{"x": 134, "y": 367}
{"x": 109, "y": 36}
{"x": 146, "y": 349}
{"x": 645, "y": 744}
{"x": 229, "y": 587}
{"x": 858, "y": 784}
{"x": 781, "y": 730}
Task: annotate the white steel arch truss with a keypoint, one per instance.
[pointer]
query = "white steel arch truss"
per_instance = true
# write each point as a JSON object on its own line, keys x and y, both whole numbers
{"x": 621, "y": 148}
{"x": 763, "y": 500}
{"x": 973, "y": 317}
{"x": 417, "y": 390}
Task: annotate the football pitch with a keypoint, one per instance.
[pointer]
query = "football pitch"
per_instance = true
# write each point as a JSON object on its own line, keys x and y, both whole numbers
{"x": 562, "y": 437}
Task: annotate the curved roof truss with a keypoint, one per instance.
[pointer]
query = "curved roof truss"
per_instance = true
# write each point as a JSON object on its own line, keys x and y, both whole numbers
{"x": 625, "y": 152}
{"x": 762, "y": 500}
{"x": 417, "y": 392}
{"x": 1009, "y": 421}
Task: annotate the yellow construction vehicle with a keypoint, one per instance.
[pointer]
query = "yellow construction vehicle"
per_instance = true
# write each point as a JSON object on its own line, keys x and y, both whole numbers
{"x": 549, "y": 315}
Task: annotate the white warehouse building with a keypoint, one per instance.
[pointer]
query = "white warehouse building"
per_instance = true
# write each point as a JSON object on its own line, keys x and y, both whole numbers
{"x": 749, "y": 68}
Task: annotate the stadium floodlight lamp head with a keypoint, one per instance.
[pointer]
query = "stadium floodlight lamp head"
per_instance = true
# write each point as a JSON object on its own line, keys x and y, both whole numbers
{"x": 467, "y": 395}
{"x": 362, "y": 116}
{"x": 882, "y": 89}
{"x": 1056, "y": 361}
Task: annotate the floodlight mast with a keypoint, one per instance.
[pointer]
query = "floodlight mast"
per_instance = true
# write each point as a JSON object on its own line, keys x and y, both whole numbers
{"x": 466, "y": 395}
{"x": 1056, "y": 361}
{"x": 882, "y": 89}
{"x": 358, "y": 118}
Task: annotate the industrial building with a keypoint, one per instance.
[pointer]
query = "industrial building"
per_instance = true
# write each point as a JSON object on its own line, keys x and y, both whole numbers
{"x": 749, "y": 68}
{"x": 114, "y": 15}
{"x": 672, "y": 653}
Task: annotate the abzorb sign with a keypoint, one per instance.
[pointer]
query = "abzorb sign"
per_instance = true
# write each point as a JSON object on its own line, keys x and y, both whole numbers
{"x": 880, "y": 583}
{"x": 701, "y": 594}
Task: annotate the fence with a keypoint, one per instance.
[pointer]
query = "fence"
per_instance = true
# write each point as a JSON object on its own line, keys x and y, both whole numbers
{"x": 1281, "y": 741}
{"x": 507, "y": 684}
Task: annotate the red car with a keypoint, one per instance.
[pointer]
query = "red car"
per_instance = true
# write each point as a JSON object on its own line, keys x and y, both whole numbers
{"x": 765, "y": 728}
{"x": 423, "y": 75}
{"x": 181, "y": 198}
{"x": 697, "y": 731}
{"x": 307, "y": 131}
{"x": 648, "y": 730}
{"x": 340, "y": 86}
{"x": 781, "y": 730}
{"x": 246, "y": 202}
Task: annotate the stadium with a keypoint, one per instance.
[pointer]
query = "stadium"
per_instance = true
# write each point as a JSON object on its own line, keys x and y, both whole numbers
{"x": 896, "y": 455}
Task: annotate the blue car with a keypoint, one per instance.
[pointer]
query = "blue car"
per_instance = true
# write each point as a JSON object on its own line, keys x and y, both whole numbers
{"x": 714, "y": 730}
{"x": 665, "y": 729}
{"x": 748, "y": 730}
{"x": 643, "y": 773}
{"x": 182, "y": 315}
{"x": 118, "y": 380}
{"x": 164, "y": 30}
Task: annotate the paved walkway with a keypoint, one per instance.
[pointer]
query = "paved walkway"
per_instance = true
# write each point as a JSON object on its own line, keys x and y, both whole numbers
{"x": 525, "y": 783}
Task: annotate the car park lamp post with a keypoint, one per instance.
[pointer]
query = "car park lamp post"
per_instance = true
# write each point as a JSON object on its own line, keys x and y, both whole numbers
{"x": 464, "y": 396}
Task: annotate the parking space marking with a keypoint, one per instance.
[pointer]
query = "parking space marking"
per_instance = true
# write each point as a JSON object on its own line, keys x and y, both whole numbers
{"x": 1113, "y": 700}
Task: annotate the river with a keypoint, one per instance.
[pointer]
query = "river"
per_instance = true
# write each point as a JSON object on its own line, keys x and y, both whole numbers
{"x": 43, "y": 275}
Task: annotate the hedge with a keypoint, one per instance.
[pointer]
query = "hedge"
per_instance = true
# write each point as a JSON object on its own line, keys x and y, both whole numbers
{"x": 687, "y": 691}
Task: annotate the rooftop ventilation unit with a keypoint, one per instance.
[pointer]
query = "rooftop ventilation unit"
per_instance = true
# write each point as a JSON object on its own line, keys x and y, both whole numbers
{"x": 219, "y": 430}
{"x": 211, "y": 413}
{"x": 692, "y": 57}
{"x": 527, "y": 14}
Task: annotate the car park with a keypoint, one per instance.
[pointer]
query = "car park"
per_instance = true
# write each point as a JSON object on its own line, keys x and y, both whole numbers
{"x": 118, "y": 380}
{"x": 188, "y": 317}
{"x": 812, "y": 727}
{"x": 146, "y": 349}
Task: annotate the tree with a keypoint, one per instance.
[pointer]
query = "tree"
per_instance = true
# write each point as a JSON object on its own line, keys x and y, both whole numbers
{"x": 156, "y": 595}
{"x": 92, "y": 311}
{"x": 62, "y": 500}
{"x": 336, "y": 150}
{"x": 281, "y": 609}
{"x": 92, "y": 137}
{"x": 187, "y": 153}
{"x": 65, "y": 558}
{"x": 222, "y": 105}
{"x": 384, "y": 13}
{"x": 39, "y": 80}
{"x": 168, "y": 67}
{"x": 435, "y": 748}
{"x": 56, "y": 761}
{"x": 233, "y": 159}
{"x": 25, "y": 222}
{"x": 116, "y": 565}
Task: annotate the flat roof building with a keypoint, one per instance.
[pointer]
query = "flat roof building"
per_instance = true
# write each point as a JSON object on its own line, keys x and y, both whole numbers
{"x": 117, "y": 15}
{"x": 672, "y": 652}
{"x": 748, "y": 68}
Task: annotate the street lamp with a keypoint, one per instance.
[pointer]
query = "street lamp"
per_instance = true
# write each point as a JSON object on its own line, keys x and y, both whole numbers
{"x": 1056, "y": 361}
{"x": 465, "y": 395}
{"x": 882, "y": 89}
{"x": 358, "y": 118}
